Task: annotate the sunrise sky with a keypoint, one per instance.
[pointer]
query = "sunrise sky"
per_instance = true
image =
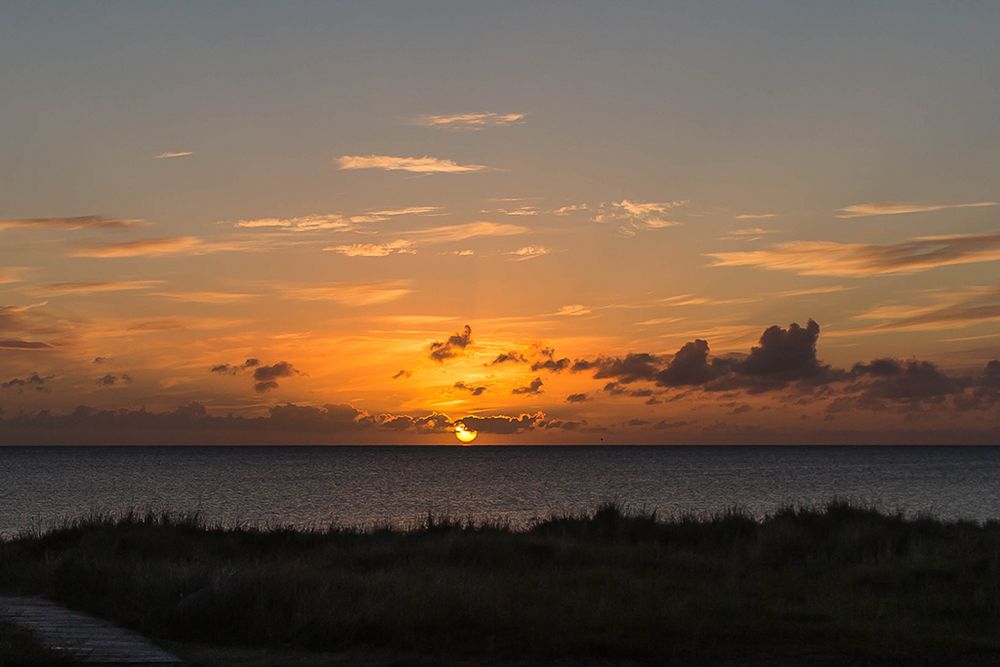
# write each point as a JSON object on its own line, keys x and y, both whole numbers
{"x": 275, "y": 224}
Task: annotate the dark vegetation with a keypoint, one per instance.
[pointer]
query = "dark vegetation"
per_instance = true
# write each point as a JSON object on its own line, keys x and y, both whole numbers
{"x": 838, "y": 585}
{"x": 19, "y": 649}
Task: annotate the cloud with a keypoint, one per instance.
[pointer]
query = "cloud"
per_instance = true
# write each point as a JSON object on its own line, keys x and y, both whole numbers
{"x": 418, "y": 165}
{"x": 533, "y": 387}
{"x": 74, "y": 223}
{"x": 111, "y": 379}
{"x": 470, "y": 121}
{"x": 633, "y": 367}
{"x": 520, "y": 211}
{"x": 898, "y": 208}
{"x": 282, "y": 424}
{"x": 829, "y": 258}
{"x": 548, "y": 361}
{"x": 12, "y": 274}
{"x": 571, "y": 208}
{"x": 573, "y": 310}
{"x": 453, "y": 346}
{"x": 747, "y": 234}
{"x": 266, "y": 377}
{"x": 235, "y": 369}
{"x": 475, "y": 390}
{"x": 638, "y": 216}
{"x": 462, "y": 232}
{"x": 949, "y": 310}
{"x": 14, "y": 344}
{"x": 140, "y": 248}
{"x": 303, "y": 223}
{"x": 502, "y": 425}
{"x": 577, "y": 398}
{"x": 84, "y": 288}
{"x": 365, "y": 294}
{"x": 755, "y": 216}
{"x": 789, "y": 353}
{"x": 811, "y": 291}
{"x": 207, "y": 297}
{"x": 509, "y": 357}
{"x": 173, "y": 154}
{"x": 33, "y": 381}
{"x": 409, "y": 210}
{"x": 530, "y": 252}
{"x": 400, "y": 247}
{"x": 689, "y": 366}
{"x": 783, "y": 356}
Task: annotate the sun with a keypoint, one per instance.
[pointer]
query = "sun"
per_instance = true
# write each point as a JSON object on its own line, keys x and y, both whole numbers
{"x": 464, "y": 435}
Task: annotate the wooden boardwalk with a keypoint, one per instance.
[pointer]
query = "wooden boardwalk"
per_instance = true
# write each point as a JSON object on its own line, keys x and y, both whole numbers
{"x": 85, "y": 638}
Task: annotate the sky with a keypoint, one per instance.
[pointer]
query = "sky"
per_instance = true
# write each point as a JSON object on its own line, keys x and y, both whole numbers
{"x": 563, "y": 222}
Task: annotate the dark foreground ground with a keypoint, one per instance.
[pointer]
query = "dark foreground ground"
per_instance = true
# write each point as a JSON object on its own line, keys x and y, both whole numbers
{"x": 841, "y": 585}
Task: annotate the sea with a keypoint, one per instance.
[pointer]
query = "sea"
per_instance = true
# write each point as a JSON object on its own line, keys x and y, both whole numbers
{"x": 41, "y": 487}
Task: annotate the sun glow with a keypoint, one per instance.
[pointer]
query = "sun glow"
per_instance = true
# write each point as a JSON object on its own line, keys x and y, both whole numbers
{"x": 464, "y": 435}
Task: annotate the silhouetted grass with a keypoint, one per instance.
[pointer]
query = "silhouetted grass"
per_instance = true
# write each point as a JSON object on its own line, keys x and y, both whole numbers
{"x": 18, "y": 648}
{"x": 839, "y": 584}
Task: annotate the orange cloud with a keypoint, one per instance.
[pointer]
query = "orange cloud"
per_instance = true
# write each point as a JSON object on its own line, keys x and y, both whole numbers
{"x": 470, "y": 121}
{"x": 829, "y": 258}
{"x": 400, "y": 247}
{"x": 898, "y": 208}
{"x": 418, "y": 165}
{"x": 367, "y": 294}
{"x": 469, "y": 230}
{"x": 78, "y": 222}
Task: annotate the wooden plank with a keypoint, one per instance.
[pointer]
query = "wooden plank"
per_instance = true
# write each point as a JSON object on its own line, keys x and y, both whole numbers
{"x": 87, "y": 638}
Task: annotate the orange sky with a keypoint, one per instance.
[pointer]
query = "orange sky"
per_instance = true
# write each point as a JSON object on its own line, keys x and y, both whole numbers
{"x": 294, "y": 227}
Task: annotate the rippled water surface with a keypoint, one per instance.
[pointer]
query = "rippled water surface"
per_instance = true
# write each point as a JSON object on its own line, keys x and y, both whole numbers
{"x": 361, "y": 485}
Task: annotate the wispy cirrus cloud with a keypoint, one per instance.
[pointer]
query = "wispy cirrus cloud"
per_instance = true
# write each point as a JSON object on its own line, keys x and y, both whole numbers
{"x": 76, "y": 222}
{"x": 207, "y": 297}
{"x": 364, "y": 294}
{"x": 946, "y": 310}
{"x": 573, "y": 310}
{"x": 177, "y": 245}
{"x": 332, "y": 221}
{"x": 84, "y": 288}
{"x": 417, "y": 165}
{"x": 899, "y": 208}
{"x": 755, "y": 216}
{"x": 303, "y": 223}
{"x": 12, "y": 274}
{"x": 409, "y": 210}
{"x": 747, "y": 234}
{"x": 26, "y": 345}
{"x": 462, "y": 232}
{"x": 469, "y": 121}
{"x": 829, "y": 258}
{"x": 520, "y": 211}
{"x": 140, "y": 248}
{"x": 169, "y": 155}
{"x": 398, "y": 247}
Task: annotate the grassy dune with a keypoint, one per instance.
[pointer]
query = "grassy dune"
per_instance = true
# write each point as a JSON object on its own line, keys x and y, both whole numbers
{"x": 835, "y": 585}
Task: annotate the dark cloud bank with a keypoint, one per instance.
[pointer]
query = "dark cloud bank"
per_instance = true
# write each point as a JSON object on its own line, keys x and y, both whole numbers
{"x": 283, "y": 424}
{"x": 937, "y": 405}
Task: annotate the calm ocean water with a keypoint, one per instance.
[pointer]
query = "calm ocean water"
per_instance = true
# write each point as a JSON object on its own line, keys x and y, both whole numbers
{"x": 361, "y": 485}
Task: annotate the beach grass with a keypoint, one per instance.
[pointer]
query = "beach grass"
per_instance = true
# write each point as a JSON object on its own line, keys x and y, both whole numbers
{"x": 840, "y": 584}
